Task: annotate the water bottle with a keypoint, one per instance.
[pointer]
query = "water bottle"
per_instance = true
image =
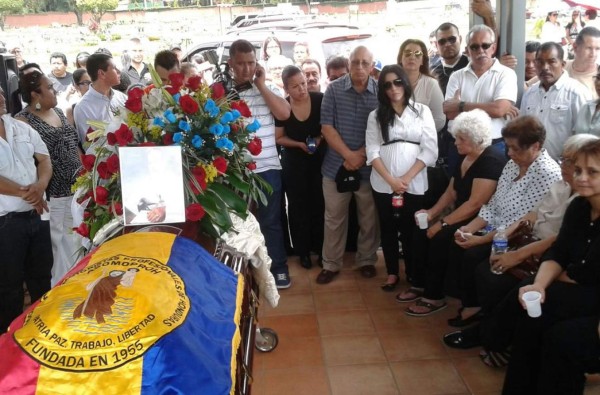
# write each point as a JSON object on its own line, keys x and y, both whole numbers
{"x": 397, "y": 204}
{"x": 311, "y": 143}
{"x": 499, "y": 243}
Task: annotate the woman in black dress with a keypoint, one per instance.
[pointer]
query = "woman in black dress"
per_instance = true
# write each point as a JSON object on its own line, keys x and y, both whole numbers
{"x": 301, "y": 158}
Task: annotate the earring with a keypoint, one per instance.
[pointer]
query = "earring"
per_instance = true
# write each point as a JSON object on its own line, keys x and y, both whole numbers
{"x": 38, "y": 106}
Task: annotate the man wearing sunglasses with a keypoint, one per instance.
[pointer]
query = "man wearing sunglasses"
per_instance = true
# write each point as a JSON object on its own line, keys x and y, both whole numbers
{"x": 485, "y": 84}
{"x": 448, "y": 43}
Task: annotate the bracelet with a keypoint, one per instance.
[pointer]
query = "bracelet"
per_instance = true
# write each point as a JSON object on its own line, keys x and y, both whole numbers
{"x": 461, "y": 106}
{"x": 444, "y": 223}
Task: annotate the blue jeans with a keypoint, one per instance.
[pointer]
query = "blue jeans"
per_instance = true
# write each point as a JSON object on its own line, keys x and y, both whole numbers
{"x": 26, "y": 252}
{"x": 269, "y": 219}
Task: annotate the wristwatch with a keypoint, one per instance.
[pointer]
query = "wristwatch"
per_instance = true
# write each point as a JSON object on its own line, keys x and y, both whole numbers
{"x": 461, "y": 106}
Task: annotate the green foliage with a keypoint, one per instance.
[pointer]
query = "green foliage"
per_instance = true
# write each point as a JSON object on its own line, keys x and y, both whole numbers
{"x": 97, "y": 7}
{"x": 10, "y": 6}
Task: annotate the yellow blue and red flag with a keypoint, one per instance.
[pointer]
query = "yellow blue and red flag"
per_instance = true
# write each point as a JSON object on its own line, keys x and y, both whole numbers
{"x": 146, "y": 313}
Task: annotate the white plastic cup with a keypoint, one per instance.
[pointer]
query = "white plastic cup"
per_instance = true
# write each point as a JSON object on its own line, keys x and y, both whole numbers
{"x": 422, "y": 220}
{"x": 532, "y": 301}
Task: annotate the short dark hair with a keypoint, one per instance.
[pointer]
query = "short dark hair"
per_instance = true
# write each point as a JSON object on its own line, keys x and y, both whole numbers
{"x": 28, "y": 66}
{"x": 29, "y": 83}
{"x": 97, "y": 61}
{"x": 311, "y": 61}
{"x": 445, "y": 26}
{"x": 289, "y": 72}
{"x": 166, "y": 59}
{"x": 124, "y": 82}
{"x": 81, "y": 59}
{"x": 592, "y": 14}
{"x": 243, "y": 46}
{"x": 105, "y": 51}
{"x": 338, "y": 62}
{"x": 527, "y": 129}
{"x": 587, "y": 31}
{"x": 78, "y": 74}
{"x": 532, "y": 46}
{"x": 60, "y": 55}
{"x": 548, "y": 46}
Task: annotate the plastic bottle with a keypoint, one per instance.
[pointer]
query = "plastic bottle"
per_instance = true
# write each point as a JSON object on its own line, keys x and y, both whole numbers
{"x": 397, "y": 204}
{"x": 500, "y": 242}
{"x": 311, "y": 143}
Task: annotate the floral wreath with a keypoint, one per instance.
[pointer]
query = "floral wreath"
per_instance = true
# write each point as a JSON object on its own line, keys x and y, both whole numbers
{"x": 217, "y": 141}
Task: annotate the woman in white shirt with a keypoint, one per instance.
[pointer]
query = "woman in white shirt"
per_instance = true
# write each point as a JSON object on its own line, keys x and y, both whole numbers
{"x": 552, "y": 31}
{"x": 401, "y": 141}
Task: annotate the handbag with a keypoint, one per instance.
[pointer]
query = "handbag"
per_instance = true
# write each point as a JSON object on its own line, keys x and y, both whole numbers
{"x": 347, "y": 180}
{"x": 522, "y": 236}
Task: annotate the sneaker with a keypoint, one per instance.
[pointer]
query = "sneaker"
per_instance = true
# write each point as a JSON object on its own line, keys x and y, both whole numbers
{"x": 282, "y": 281}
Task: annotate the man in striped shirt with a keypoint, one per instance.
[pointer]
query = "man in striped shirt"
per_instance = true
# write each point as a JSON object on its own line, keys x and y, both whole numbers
{"x": 264, "y": 103}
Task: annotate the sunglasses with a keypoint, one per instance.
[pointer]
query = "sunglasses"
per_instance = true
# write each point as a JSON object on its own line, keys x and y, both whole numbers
{"x": 82, "y": 83}
{"x": 475, "y": 47}
{"x": 451, "y": 40}
{"x": 408, "y": 53}
{"x": 397, "y": 83}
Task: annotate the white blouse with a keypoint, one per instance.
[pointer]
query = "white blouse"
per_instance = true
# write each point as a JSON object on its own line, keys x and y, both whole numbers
{"x": 428, "y": 92}
{"x": 399, "y": 157}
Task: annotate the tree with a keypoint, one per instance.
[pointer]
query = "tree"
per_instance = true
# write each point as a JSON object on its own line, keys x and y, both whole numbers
{"x": 73, "y": 6}
{"x": 9, "y": 7}
{"x": 96, "y": 7}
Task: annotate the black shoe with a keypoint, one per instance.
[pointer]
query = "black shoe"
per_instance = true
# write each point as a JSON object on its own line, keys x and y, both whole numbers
{"x": 368, "y": 271}
{"x": 462, "y": 339}
{"x": 459, "y": 322}
{"x": 305, "y": 262}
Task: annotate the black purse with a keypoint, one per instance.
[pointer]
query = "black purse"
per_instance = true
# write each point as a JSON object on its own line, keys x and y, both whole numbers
{"x": 522, "y": 236}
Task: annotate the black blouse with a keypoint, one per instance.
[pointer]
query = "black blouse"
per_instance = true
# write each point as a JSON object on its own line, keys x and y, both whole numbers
{"x": 577, "y": 246}
{"x": 300, "y": 130}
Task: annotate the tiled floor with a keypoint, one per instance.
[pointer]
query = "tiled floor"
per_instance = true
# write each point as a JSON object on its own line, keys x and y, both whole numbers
{"x": 349, "y": 337}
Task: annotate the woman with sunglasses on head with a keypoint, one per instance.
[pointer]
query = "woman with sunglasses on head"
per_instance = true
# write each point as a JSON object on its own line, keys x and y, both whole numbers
{"x": 81, "y": 84}
{"x": 552, "y": 31}
{"x": 572, "y": 30}
{"x": 401, "y": 141}
{"x": 62, "y": 141}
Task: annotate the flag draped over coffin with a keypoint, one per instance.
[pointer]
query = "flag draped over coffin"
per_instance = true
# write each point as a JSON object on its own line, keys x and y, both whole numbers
{"x": 146, "y": 313}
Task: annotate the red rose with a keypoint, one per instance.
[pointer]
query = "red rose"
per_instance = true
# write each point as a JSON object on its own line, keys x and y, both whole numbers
{"x": 88, "y": 162}
{"x": 135, "y": 93}
{"x": 101, "y": 196}
{"x": 217, "y": 90}
{"x": 148, "y": 144}
{"x": 111, "y": 139}
{"x": 255, "y": 146}
{"x": 123, "y": 135}
{"x": 116, "y": 208}
{"x": 242, "y": 107}
{"x": 176, "y": 80}
{"x": 194, "y": 212}
{"x": 112, "y": 163}
{"x": 221, "y": 164}
{"x": 172, "y": 90}
{"x": 133, "y": 105}
{"x": 83, "y": 229}
{"x": 83, "y": 198}
{"x": 167, "y": 139}
{"x": 251, "y": 166}
{"x": 87, "y": 215}
{"x": 188, "y": 104}
{"x": 103, "y": 171}
{"x": 200, "y": 176}
{"x": 194, "y": 82}
{"x": 148, "y": 88}
{"x": 234, "y": 127}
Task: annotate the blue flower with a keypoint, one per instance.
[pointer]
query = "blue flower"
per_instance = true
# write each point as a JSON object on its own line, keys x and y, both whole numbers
{"x": 225, "y": 144}
{"x": 197, "y": 141}
{"x": 236, "y": 114}
{"x": 226, "y": 129}
{"x": 226, "y": 118}
{"x": 253, "y": 127}
{"x": 176, "y": 97}
{"x": 212, "y": 108}
{"x": 169, "y": 115}
{"x": 158, "y": 121}
{"x": 216, "y": 129}
{"x": 177, "y": 137}
{"x": 183, "y": 125}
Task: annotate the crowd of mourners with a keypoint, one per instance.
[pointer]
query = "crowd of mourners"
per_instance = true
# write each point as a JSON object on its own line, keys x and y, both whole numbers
{"x": 361, "y": 150}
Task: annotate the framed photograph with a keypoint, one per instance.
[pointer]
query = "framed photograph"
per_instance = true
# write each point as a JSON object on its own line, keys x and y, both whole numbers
{"x": 152, "y": 185}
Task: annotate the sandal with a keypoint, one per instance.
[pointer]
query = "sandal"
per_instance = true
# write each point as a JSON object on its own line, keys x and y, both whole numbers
{"x": 495, "y": 359}
{"x": 415, "y": 293}
{"x": 421, "y": 303}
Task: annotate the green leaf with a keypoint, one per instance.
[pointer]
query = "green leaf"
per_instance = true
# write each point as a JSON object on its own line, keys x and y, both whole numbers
{"x": 238, "y": 183}
{"x": 232, "y": 199}
{"x": 216, "y": 210}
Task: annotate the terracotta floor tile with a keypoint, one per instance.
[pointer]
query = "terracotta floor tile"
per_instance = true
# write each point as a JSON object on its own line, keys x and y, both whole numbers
{"x": 427, "y": 377}
{"x": 300, "y": 284}
{"x": 336, "y": 301}
{"x": 345, "y": 281}
{"x": 354, "y": 322}
{"x": 412, "y": 345}
{"x": 352, "y": 349}
{"x": 289, "y": 304}
{"x": 479, "y": 377}
{"x": 393, "y": 319}
{"x": 375, "y": 379}
{"x": 292, "y": 326}
{"x": 296, "y": 381}
{"x": 293, "y": 353}
{"x": 378, "y": 299}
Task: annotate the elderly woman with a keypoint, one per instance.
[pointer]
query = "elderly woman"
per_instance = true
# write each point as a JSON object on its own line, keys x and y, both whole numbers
{"x": 546, "y": 217}
{"x": 471, "y": 186}
{"x": 301, "y": 158}
{"x": 61, "y": 139}
{"x": 588, "y": 117}
{"x": 569, "y": 283}
{"x": 401, "y": 142}
{"x": 525, "y": 180}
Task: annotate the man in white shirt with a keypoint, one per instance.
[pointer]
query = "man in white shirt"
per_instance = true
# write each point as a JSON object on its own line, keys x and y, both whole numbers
{"x": 484, "y": 83}
{"x": 587, "y": 50}
{"x": 556, "y": 99}
{"x": 101, "y": 101}
{"x": 264, "y": 104}
{"x": 25, "y": 245}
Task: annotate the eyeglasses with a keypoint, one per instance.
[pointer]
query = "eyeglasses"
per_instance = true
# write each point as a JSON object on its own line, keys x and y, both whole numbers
{"x": 475, "y": 47}
{"x": 442, "y": 41}
{"x": 361, "y": 63}
{"x": 407, "y": 53}
{"x": 82, "y": 83}
{"x": 554, "y": 14}
{"x": 397, "y": 83}
{"x": 563, "y": 160}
